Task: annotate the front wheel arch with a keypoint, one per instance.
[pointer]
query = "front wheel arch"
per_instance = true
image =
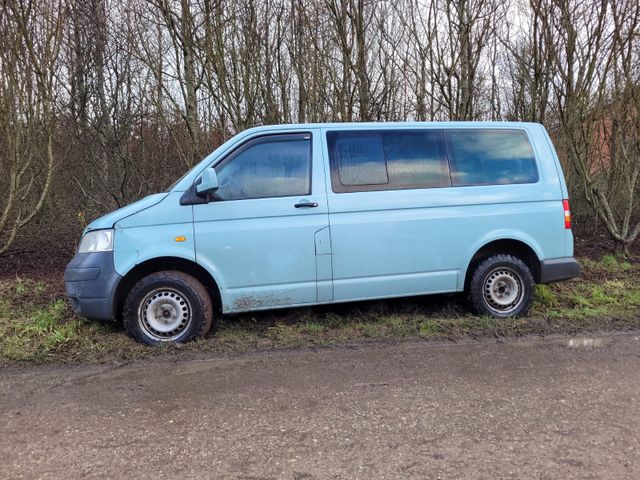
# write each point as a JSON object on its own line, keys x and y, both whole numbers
{"x": 159, "y": 264}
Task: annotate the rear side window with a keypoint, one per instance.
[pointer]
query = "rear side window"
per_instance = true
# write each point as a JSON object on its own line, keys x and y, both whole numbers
{"x": 270, "y": 166}
{"x": 361, "y": 160}
{"x": 490, "y": 157}
{"x": 387, "y": 160}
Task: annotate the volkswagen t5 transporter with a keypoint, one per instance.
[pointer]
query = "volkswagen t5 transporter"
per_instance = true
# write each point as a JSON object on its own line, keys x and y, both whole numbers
{"x": 297, "y": 215}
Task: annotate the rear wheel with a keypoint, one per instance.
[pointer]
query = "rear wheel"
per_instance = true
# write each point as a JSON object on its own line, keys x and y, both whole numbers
{"x": 501, "y": 286}
{"x": 167, "y": 306}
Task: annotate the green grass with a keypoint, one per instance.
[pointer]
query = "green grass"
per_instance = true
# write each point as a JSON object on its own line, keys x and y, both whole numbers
{"x": 30, "y": 332}
{"x": 36, "y": 324}
{"x": 431, "y": 328}
{"x": 614, "y": 263}
{"x": 546, "y": 296}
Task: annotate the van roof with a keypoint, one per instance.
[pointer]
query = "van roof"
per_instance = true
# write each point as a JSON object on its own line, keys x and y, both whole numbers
{"x": 359, "y": 125}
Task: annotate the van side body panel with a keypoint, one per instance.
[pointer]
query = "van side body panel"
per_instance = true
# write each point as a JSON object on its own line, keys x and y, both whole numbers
{"x": 401, "y": 242}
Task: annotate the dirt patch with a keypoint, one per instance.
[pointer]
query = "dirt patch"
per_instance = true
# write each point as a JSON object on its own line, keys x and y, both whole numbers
{"x": 46, "y": 263}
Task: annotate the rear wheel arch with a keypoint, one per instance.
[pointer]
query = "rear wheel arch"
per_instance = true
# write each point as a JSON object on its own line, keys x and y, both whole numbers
{"x": 506, "y": 246}
{"x": 502, "y": 286}
{"x": 159, "y": 264}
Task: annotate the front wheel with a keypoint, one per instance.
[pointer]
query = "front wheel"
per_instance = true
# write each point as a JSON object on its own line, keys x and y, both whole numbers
{"x": 168, "y": 306}
{"x": 501, "y": 286}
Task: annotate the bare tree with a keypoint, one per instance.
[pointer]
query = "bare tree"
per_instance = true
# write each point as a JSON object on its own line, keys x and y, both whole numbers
{"x": 176, "y": 63}
{"x": 595, "y": 55}
{"x": 529, "y": 66}
{"x": 615, "y": 181}
{"x": 31, "y": 41}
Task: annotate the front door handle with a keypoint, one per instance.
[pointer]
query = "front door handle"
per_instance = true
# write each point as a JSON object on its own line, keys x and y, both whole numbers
{"x": 305, "y": 204}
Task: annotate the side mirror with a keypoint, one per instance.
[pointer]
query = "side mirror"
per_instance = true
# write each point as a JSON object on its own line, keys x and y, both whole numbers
{"x": 208, "y": 182}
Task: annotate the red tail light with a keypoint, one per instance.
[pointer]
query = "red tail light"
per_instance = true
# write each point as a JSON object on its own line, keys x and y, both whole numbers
{"x": 567, "y": 214}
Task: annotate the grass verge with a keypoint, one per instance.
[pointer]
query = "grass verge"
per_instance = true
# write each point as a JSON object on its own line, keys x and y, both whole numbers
{"x": 36, "y": 325}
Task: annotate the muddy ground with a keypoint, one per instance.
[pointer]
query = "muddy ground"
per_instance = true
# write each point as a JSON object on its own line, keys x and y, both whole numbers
{"x": 559, "y": 407}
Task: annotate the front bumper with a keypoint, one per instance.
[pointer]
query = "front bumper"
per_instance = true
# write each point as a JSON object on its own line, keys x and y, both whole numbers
{"x": 558, "y": 269}
{"x": 91, "y": 282}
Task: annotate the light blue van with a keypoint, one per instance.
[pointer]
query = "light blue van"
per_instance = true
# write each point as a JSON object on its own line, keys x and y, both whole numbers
{"x": 298, "y": 215}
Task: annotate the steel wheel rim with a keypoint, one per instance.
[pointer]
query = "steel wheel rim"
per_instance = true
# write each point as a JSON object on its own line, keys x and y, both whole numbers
{"x": 502, "y": 290}
{"x": 165, "y": 314}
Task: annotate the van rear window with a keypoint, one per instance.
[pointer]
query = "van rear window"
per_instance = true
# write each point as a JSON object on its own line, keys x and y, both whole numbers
{"x": 490, "y": 157}
{"x": 361, "y": 160}
{"x": 387, "y": 160}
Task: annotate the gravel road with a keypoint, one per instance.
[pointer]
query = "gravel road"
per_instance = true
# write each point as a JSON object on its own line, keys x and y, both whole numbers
{"x": 537, "y": 408}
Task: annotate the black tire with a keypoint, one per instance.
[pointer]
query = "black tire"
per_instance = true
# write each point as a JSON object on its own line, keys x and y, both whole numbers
{"x": 163, "y": 300}
{"x": 501, "y": 286}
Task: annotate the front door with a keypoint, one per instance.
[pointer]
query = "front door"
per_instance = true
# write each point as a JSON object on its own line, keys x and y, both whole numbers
{"x": 259, "y": 235}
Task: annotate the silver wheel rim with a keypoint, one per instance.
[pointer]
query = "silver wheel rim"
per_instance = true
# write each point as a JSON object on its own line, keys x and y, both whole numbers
{"x": 503, "y": 290}
{"x": 164, "y": 314}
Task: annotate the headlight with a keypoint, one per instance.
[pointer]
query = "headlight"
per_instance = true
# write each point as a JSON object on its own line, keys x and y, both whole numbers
{"x": 96, "y": 241}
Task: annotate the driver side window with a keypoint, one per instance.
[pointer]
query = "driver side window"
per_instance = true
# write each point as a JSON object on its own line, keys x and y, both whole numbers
{"x": 269, "y": 166}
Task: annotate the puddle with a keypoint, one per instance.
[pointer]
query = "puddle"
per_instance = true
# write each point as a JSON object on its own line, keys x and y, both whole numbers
{"x": 585, "y": 342}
